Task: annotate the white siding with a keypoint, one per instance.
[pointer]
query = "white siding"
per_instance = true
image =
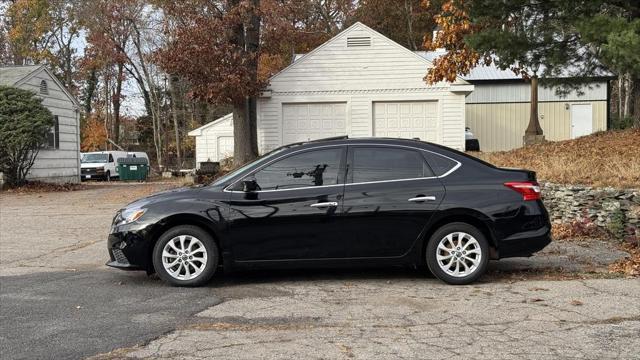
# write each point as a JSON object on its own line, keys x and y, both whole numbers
{"x": 207, "y": 147}
{"x": 514, "y": 92}
{"x": 59, "y": 165}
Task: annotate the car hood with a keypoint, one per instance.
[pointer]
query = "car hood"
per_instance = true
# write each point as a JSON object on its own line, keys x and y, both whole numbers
{"x": 92, "y": 165}
{"x": 167, "y": 195}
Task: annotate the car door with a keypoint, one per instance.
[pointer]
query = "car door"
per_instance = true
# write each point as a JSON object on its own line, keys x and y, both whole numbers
{"x": 294, "y": 213}
{"x": 390, "y": 195}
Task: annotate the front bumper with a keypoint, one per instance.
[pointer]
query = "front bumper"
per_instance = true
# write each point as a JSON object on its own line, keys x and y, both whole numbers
{"x": 129, "y": 250}
{"x": 92, "y": 173}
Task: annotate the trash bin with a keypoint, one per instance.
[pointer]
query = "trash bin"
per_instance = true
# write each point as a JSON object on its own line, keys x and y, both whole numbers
{"x": 131, "y": 168}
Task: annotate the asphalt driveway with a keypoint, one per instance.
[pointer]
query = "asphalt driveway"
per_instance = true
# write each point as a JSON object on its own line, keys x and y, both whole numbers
{"x": 58, "y": 300}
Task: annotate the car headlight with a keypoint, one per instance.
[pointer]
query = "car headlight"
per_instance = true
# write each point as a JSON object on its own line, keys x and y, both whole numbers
{"x": 130, "y": 215}
{"x": 100, "y": 169}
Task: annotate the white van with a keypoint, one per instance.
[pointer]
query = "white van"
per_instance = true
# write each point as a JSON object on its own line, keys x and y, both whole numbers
{"x": 100, "y": 164}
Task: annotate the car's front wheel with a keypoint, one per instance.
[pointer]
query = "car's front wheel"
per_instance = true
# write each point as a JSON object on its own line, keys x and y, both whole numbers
{"x": 185, "y": 256}
{"x": 458, "y": 253}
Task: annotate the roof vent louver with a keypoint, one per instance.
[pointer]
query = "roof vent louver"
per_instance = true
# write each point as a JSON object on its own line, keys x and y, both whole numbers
{"x": 358, "y": 41}
{"x": 44, "y": 88}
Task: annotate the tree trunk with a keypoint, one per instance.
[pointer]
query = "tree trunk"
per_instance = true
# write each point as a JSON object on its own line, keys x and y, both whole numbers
{"x": 620, "y": 78}
{"x": 116, "y": 104}
{"x": 92, "y": 81}
{"x": 242, "y": 149}
{"x": 246, "y": 36}
{"x": 534, "y": 127}
{"x": 627, "y": 94}
{"x": 408, "y": 8}
{"x": 174, "y": 113}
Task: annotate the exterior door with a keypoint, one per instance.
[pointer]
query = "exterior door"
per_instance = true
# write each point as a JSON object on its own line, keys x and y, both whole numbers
{"x": 581, "y": 120}
{"x": 389, "y": 197}
{"x": 294, "y": 214}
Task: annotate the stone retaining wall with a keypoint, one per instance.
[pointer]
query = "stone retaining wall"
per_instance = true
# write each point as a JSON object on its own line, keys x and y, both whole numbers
{"x": 607, "y": 208}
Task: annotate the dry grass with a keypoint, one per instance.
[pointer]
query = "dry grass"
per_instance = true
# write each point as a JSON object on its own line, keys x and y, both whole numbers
{"x": 609, "y": 158}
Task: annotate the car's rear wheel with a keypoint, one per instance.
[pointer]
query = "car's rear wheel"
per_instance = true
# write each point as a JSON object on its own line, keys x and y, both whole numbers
{"x": 458, "y": 253}
{"x": 185, "y": 255}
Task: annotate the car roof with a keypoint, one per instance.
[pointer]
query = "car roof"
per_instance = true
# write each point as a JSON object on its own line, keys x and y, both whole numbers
{"x": 344, "y": 140}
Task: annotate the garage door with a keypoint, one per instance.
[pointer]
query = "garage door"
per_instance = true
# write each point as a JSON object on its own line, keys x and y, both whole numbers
{"x": 407, "y": 120}
{"x": 225, "y": 147}
{"x": 310, "y": 121}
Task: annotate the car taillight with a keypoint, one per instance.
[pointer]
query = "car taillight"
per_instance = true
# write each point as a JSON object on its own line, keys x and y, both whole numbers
{"x": 530, "y": 190}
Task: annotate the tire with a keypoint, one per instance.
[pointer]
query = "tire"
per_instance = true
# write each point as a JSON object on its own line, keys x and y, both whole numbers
{"x": 195, "y": 238}
{"x": 454, "y": 267}
{"x": 107, "y": 176}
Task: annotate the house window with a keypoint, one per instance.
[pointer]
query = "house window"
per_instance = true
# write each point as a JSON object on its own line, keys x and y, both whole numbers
{"x": 44, "y": 88}
{"x": 53, "y": 138}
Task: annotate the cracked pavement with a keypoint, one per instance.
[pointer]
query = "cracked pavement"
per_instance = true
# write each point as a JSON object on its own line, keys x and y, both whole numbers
{"x": 408, "y": 317}
{"x": 58, "y": 300}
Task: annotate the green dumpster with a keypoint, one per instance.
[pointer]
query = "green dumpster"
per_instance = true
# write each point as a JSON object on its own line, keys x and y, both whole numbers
{"x": 131, "y": 168}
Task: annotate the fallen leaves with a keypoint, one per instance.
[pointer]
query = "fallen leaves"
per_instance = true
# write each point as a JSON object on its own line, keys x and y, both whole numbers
{"x": 630, "y": 265}
{"x": 610, "y": 158}
{"x": 34, "y": 187}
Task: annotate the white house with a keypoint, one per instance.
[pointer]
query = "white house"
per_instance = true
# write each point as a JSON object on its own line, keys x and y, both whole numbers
{"x": 359, "y": 83}
{"x": 59, "y": 161}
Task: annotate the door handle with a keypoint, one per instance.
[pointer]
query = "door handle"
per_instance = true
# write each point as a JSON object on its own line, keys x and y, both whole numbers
{"x": 324, "y": 204}
{"x": 423, "y": 198}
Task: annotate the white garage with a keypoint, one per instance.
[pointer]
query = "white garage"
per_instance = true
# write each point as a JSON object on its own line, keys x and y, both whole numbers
{"x": 214, "y": 141}
{"x": 360, "y": 84}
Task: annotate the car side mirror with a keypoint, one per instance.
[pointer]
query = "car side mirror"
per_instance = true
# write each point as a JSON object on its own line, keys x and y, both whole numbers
{"x": 250, "y": 185}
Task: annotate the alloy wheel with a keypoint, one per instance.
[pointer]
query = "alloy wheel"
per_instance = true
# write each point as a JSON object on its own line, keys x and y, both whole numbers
{"x": 459, "y": 254}
{"x": 184, "y": 257}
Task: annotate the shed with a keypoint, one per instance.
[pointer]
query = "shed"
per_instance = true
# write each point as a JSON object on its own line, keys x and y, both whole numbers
{"x": 359, "y": 83}
{"x": 59, "y": 160}
{"x": 497, "y": 112}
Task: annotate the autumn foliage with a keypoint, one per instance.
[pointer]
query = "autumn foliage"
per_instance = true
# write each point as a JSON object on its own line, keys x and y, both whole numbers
{"x": 94, "y": 135}
{"x": 454, "y": 25}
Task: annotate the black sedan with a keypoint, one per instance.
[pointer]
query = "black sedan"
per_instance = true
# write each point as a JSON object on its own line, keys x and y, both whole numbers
{"x": 334, "y": 203}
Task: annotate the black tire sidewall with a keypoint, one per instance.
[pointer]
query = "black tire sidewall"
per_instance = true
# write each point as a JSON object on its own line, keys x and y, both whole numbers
{"x": 207, "y": 241}
{"x": 441, "y": 233}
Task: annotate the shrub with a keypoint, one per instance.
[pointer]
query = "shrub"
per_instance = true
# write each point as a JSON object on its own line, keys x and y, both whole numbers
{"x": 24, "y": 125}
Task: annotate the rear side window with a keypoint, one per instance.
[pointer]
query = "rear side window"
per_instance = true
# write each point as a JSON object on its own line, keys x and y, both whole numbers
{"x": 381, "y": 164}
{"x": 312, "y": 168}
{"x": 440, "y": 164}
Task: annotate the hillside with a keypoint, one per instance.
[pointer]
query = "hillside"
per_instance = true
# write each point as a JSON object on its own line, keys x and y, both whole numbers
{"x": 609, "y": 158}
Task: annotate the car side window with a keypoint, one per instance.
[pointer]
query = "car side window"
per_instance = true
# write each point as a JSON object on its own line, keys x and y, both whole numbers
{"x": 380, "y": 164}
{"x": 439, "y": 163}
{"x": 311, "y": 168}
{"x": 110, "y": 158}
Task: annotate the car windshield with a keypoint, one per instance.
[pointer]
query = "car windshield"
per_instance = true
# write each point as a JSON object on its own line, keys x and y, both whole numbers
{"x": 95, "y": 158}
{"x": 264, "y": 158}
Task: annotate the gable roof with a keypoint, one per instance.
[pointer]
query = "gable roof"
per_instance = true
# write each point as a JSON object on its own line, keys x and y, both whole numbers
{"x": 10, "y": 75}
{"x": 198, "y": 131}
{"x": 359, "y": 26}
{"x": 16, "y": 75}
